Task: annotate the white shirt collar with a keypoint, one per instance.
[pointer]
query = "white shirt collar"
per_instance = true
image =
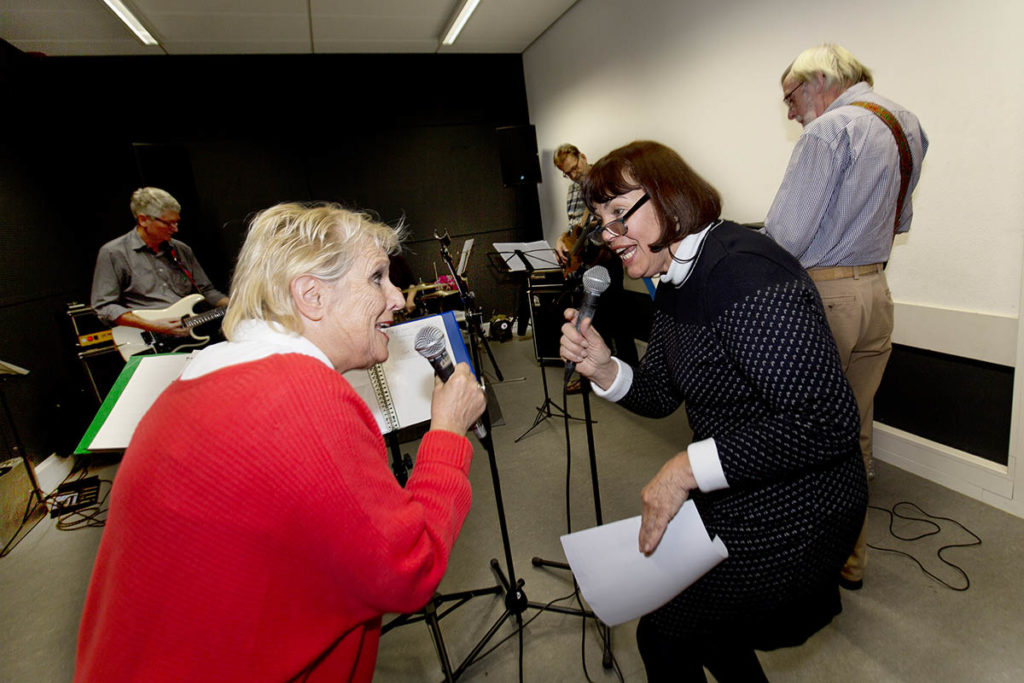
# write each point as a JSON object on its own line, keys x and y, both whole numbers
{"x": 686, "y": 255}
{"x": 252, "y": 340}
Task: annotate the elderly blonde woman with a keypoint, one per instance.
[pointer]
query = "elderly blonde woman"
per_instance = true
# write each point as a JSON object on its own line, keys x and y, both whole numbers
{"x": 255, "y": 531}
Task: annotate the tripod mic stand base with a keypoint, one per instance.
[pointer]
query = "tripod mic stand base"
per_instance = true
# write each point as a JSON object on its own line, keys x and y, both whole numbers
{"x": 604, "y": 630}
{"x": 544, "y": 411}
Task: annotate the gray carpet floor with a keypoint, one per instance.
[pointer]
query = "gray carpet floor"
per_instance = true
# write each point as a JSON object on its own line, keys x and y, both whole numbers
{"x": 902, "y": 626}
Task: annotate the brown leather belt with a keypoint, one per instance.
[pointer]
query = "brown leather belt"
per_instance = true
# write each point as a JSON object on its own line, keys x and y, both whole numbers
{"x": 842, "y": 272}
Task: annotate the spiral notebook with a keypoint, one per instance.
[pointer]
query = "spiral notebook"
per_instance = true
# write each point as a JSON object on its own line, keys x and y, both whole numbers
{"x": 398, "y": 391}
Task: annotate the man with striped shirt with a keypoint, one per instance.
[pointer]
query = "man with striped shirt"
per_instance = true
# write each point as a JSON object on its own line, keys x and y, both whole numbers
{"x": 846, "y": 193}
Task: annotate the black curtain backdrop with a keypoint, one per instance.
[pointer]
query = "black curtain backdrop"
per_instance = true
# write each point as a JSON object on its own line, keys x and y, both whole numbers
{"x": 408, "y": 137}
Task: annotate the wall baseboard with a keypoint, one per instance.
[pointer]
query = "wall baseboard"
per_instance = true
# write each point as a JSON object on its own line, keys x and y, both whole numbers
{"x": 52, "y": 471}
{"x": 962, "y": 472}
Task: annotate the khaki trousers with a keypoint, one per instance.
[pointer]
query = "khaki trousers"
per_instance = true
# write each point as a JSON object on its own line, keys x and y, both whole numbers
{"x": 860, "y": 313}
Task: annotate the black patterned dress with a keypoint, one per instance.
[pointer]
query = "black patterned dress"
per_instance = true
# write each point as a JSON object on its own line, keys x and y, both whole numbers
{"x": 745, "y": 344}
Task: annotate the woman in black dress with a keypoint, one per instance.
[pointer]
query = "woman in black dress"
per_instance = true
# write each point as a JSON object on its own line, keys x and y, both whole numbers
{"x": 740, "y": 336}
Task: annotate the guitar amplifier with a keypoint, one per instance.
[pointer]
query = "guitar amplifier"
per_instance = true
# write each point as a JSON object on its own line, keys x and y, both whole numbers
{"x": 94, "y": 348}
{"x": 89, "y": 330}
{"x": 546, "y": 277}
{"x": 547, "y": 306}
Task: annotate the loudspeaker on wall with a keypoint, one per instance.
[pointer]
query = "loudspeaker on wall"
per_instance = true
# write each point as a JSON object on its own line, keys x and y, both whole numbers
{"x": 518, "y": 148}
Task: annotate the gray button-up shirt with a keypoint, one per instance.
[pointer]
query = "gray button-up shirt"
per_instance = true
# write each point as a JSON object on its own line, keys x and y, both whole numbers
{"x": 129, "y": 276}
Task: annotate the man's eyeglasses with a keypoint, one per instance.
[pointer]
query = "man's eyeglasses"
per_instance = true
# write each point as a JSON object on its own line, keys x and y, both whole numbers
{"x": 569, "y": 172}
{"x": 597, "y": 235}
{"x": 170, "y": 224}
{"x": 788, "y": 98}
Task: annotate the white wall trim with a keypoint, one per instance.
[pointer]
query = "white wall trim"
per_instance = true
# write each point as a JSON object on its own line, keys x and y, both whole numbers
{"x": 52, "y": 471}
{"x": 1016, "y": 455}
{"x": 955, "y": 469}
{"x": 969, "y": 334}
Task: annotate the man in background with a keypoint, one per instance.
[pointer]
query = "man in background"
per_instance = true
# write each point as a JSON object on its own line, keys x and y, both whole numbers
{"x": 846, "y": 193}
{"x": 146, "y": 268}
{"x": 575, "y": 254}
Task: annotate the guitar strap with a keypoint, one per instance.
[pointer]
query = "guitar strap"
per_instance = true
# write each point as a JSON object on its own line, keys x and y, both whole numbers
{"x": 906, "y": 163}
{"x": 182, "y": 267}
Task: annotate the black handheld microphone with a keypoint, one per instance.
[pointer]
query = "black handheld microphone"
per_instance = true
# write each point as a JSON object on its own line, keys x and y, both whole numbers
{"x": 595, "y": 281}
{"x": 430, "y": 344}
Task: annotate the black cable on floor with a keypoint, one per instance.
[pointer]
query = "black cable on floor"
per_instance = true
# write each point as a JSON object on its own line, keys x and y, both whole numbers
{"x": 48, "y": 502}
{"x": 92, "y": 517}
{"x": 894, "y": 514}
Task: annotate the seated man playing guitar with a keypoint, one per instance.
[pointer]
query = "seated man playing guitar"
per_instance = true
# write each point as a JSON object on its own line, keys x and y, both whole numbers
{"x": 142, "y": 278}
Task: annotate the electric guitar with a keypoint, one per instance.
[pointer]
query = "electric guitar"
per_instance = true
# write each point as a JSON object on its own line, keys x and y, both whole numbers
{"x": 575, "y": 241}
{"x": 132, "y": 340}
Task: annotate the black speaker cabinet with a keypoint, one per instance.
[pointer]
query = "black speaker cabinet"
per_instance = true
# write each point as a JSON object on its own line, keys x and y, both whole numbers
{"x": 518, "y": 148}
{"x": 547, "y": 305}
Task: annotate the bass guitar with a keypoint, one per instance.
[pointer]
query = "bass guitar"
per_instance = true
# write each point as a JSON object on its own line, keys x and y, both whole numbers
{"x": 132, "y": 340}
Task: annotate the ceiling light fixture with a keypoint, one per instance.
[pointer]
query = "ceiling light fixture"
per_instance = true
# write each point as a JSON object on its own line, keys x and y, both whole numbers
{"x": 461, "y": 17}
{"x": 129, "y": 19}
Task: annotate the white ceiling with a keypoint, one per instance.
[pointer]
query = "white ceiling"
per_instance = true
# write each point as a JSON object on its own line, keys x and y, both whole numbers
{"x": 187, "y": 27}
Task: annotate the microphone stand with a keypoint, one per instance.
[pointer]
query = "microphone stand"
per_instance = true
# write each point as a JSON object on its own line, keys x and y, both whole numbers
{"x": 509, "y": 585}
{"x": 605, "y": 631}
{"x": 474, "y": 316}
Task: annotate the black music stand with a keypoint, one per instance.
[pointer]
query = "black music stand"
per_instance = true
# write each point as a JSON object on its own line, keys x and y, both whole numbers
{"x": 548, "y": 408}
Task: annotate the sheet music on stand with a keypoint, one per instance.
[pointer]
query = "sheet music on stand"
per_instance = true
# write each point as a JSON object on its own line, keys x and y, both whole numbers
{"x": 539, "y": 254}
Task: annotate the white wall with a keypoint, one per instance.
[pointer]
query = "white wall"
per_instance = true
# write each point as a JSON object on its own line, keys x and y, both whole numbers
{"x": 702, "y": 76}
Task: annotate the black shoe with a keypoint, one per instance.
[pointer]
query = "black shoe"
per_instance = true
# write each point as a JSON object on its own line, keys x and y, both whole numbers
{"x": 850, "y": 584}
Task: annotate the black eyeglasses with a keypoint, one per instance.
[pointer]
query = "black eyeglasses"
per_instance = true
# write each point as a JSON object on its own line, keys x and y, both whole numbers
{"x": 597, "y": 235}
{"x": 788, "y": 98}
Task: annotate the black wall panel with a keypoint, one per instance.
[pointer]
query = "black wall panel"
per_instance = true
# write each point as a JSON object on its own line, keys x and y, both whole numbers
{"x": 956, "y": 401}
{"x": 407, "y": 136}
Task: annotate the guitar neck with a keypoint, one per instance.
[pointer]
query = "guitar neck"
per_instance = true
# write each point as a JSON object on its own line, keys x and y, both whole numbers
{"x": 195, "y": 320}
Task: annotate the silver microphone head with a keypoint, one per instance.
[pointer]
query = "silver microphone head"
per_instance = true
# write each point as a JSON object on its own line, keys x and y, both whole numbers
{"x": 430, "y": 341}
{"x": 596, "y": 280}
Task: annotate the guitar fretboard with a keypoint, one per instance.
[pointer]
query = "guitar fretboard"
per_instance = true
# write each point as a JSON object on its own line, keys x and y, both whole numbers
{"x": 195, "y": 320}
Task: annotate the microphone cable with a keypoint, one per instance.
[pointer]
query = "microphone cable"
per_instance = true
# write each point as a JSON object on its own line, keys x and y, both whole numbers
{"x": 936, "y": 528}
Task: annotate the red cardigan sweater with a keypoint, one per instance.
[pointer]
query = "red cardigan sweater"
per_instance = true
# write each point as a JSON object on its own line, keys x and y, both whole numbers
{"x": 254, "y": 521}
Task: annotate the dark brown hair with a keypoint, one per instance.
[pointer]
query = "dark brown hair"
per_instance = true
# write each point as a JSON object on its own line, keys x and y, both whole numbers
{"x": 683, "y": 201}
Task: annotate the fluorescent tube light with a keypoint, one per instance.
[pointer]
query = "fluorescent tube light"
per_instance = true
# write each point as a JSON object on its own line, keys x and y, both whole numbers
{"x": 465, "y": 12}
{"x": 129, "y": 19}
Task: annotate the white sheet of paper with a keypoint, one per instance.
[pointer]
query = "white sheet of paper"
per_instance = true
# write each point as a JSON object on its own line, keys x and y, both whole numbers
{"x": 620, "y": 583}
{"x": 154, "y": 374}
